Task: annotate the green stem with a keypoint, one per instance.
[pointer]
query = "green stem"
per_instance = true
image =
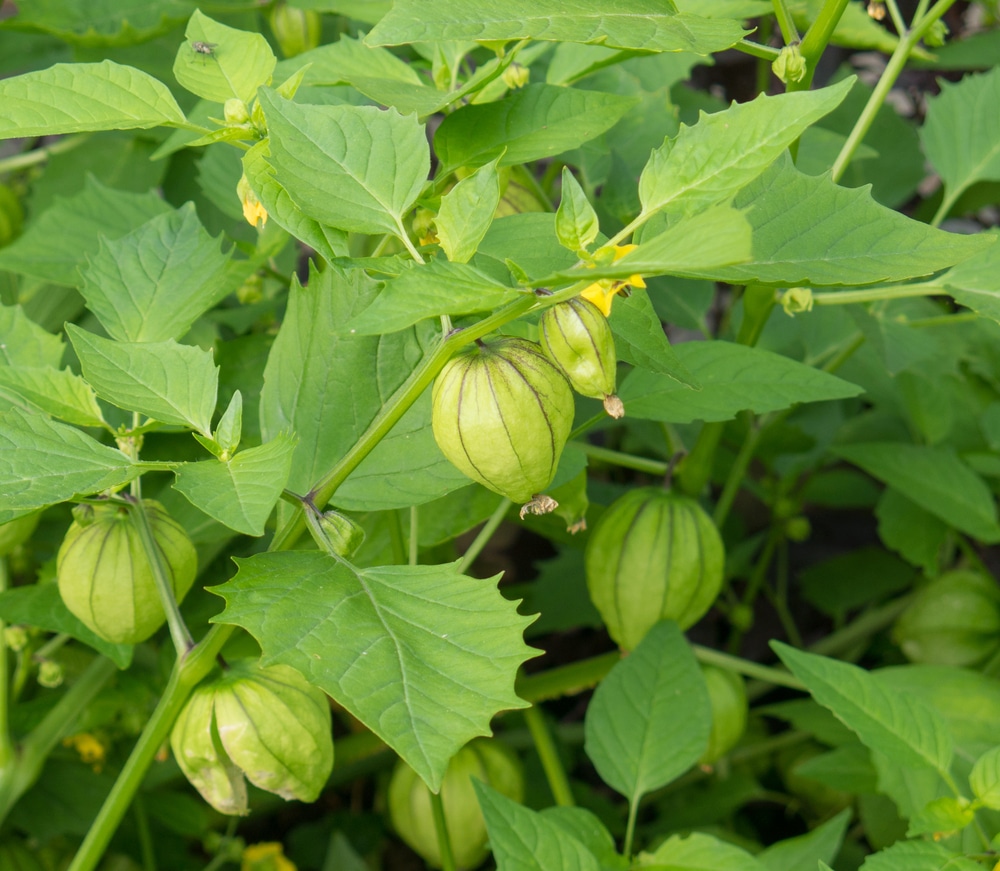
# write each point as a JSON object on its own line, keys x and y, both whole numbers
{"x": 817, "y": 38}
{"x": 441, "y": 829}
{"x": 633, "y": 812}
{"x": 6, "y": 746}
{"x": 736, "y": 474}
{"x": 187, "y": 673}
{"x": 768, "y": 674}
{"x": 862, "y": 627}
{"x": 566, "y": 680}
{"x": 789, "y": 32}
{"x": 525, "y": 176}
{"x": 907, "y": 42}
{"x": 23, "y": 770}
{"x": 875, "y": 294}
{"x": 626, "y": 461}
{"x": 755, "y": 49}
{"x": 695, "y": 470}
{"x": 549, "y": 755}
{"x": 145, "y": 836}
{"x": 484, "y": 535}
{"x": 178, "y": 630}
{"x": 40, "y": 155}
{"x": 414, "y": 542}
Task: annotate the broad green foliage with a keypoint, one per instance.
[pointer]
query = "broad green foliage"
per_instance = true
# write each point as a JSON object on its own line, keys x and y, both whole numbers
{"x": 247, "y": 253}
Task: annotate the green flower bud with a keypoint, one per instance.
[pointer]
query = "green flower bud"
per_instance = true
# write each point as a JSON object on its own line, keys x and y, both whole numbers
{"x": 728, "y": 698}
{"x": 343, "y": 534}
{"x": 105, "y": 578}
{"x": 50, "y": 674}
{"x": 653, "y": 555}
{"x": 267, "y": 724}
{"x": 790, "y": 66}
{"x": 501, "y": 414}
{"x": 297, "y": 30}
{"x": 410, "y": 801}
{"x": 954, "y": 620}
{"x": 577, "y": 338}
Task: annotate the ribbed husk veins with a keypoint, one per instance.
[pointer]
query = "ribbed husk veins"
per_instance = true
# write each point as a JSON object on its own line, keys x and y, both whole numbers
{"x": 577, "y": 338}
{"x": 728, "y": 698}
{"x": 410, "y": 801}
{"x": 501, "y": 414}
{"x": 653, "y": 555}
{"x": 954, "y": 620}
{"x": 105, "y": 578}
{"x": 269, "y": 725}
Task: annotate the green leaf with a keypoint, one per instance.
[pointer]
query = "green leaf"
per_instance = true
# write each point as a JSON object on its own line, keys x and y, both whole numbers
{"x": 985, "y": 779}
{"x": 919, "y": 856}
{"x": 437, "y": 288}
{"x": 327, "y": 241}
{"x": 526, "y": 840}
{"x": 153, "y": 283}
{"x": 73, "y": 98}
{"x": 638, "y": 735}
{"x": 41, "y": 606}
{"x": 406, "y": 468}
{"x": 43, "y": 462}
{"x": 576, "y": 221}
{"x": 231, "y": 64}
{"x": 935, "y": 478}
{"x": 913, "y": 532}
{"x": 698, "y": 852}
{"x": 422, "y": 655}
{"x": 708, "y": 163}
{"x": 646, "y": 25}
{"x": 533, "y": 122}
{"x": 320, "y": 382}
{"x": 54, "y": 391}
{"x": 55, "y": 245}
{"x": 25, "y": 343}
{"x": 532, "y": 236}
{"x": 975, "y": 282}
{"x": 961, "y": 136}
{"x": 897, "y": 725}
{"x": 820, "y": 845}
{"x": 242, "y": 491}
{"x": 467, "y": 211}
{"x": 354, "y": 167}
{"x": 165, "y": 381}
{"x": 809, "y": 230}
{"x": 731, "y": 378}
{"x": 941, "y": 815}
{"x": 641, "y": 341}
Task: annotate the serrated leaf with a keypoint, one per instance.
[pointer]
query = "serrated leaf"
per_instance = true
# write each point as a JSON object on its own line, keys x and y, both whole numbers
{"x": 165, "y": 381}
{"x": 58, "y": 392}
{"x": 961, "y": 135}
{"x": 985, "y": 779}
{"x": 531, "y": 123}
{"x": 649, "y": 719}
{"x": 731, "y": 378}
{"x": 329, "y": 242}
{"x": 40, "y": 605}
{"x": 55, "y": 245}
{"x": 43, "y": 462}
{"x": 918, "y": 856}
{"x": 422, "y": 655}
{"x": 467, "y": 211}
{"x": 708, "y": 163}
{"x": 897, "y": 725}
{"x": 231, "y": 64}
{"x": 809, "y": 230}
{"x": 354, "y": 167}
{"x": 975, "y": 282}
{"x": 153, "y": 283}
{"x": 820, "y": 845}
{"x": 240, "y": 492}
{"x": 437, "y": 288}
{"x": 25, "y": 343}
{"x": 526, "y": 840}
{"x": 641, "y": 340}
{"x": 74, "y": 98}
{"x": 646, "y": 25}
{"x": 576, "y": 221}
{"x": 935, "y": 478}
{"x": 698, "y": 852}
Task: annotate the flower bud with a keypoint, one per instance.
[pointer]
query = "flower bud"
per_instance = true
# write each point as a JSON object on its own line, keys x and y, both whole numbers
{"x": 502, "y": 413}
{"x": 577, "y": 338}
{"x": 790, "y": 66}
{"x": 653, "y": 555}
{"x": 105, "y": 578}
{"x": 410, "y": 801}
{"x": 297, "y": 30}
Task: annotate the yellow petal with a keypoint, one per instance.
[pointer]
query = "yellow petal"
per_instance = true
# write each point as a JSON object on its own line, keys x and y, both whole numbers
{"x": 599, "y": 296}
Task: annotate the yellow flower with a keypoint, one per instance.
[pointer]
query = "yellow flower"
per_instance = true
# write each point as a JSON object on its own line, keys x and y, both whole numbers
{"x": 266, "y": 856}
{"x": 602, "y": 292}
{"x": 91, "y": 751}
{"x": 253, "y": 209}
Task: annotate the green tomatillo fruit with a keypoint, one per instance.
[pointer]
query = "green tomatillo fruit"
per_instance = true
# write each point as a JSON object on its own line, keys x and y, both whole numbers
{"x": 728, "y": 697}
{"x": 653, "y": 555}
{"x": 413, "y": 817}
{"x": 502, "y": 413}
{"x": 577, "y": 338}
{"x": 954, "y": 620}
{"x": 105, "y": 577}
{"x": 267, "y": 724}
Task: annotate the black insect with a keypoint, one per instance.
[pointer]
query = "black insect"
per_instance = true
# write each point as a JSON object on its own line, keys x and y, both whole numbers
{"x": 206, "y": 48}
